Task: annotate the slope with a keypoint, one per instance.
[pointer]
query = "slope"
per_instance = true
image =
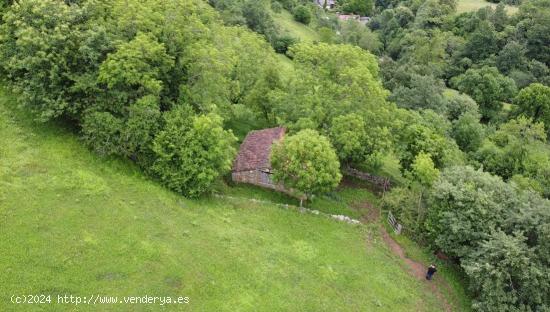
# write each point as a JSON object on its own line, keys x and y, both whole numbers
{"x": 76, "y": 224}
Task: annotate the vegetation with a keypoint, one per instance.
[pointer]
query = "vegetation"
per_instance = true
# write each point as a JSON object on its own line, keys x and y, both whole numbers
{"x": 302, "y": 14}
{"x": 293, "y": 29}
{"x": 485, "y": 225}
{"x": 167, "y": 87}
{"x": 474, "y": 5}
{"x": 91, "y": 224}
{"x": 363, "y": 8}
{"x": 306, "y": 162}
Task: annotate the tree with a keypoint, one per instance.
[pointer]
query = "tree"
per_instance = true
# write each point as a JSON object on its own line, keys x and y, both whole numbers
{"x": 360, "y": 7}
{"x": 417, "y": 138}
{"x": 355, "y": 33}
{"x": 331, "y": 80}
{"x": 302, "y": 14}
{"x": 41, "y": 45}
{"x": 487, "y": 87}
{"x": 327, "y": 35}
{"x": 422, "y": 92}
{"x": 465, "y": 206}
{"x": 482, "y": 43}
{"x": 499, "y": 18}
{"x": 512, "y": 57}
{"x": 282, "y": 43}
{"x": 259, "y": 19}
{"x": 506, "y": 272}
{"x": 136, "y": 69}
{"x": 533, "y": 26}
{"x": 458, "y": 104}
{"x": 534, "y": 102}
{"x": 356, "y": 142}
{"x": 498, "y": 235}
{"x": 431, "y": 13}
{"x": 507, "y": 151}
{"x": 306, "y": 162}
{"x": 142, "y": 124}
{"x": 468, "y": 132}
{"x": 403, "y": 202}
{"x": 4, "y": 4}
{"x": 423, "y": 170}
{"x": 192, "y": 151}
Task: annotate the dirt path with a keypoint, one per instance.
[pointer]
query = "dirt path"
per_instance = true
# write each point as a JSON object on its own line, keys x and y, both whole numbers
{"x": 417, "y": 269}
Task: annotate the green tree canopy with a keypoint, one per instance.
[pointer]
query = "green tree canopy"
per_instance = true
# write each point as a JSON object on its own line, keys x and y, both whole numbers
{"x": 488, "y": 87}
{"x": 332, "y": 80}
{"x": 358, "y": 142}
{"x": 306, "y": 162}
{"x": 468, "y": 132}
{"x": 361, "y": 7}
{"x": 423, "y": 169}
{"x": 136, "y": 69}
{"x": 534, "y": 102}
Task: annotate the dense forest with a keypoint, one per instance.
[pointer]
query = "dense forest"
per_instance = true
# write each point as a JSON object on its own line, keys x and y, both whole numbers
{"x": 459, "y": 102}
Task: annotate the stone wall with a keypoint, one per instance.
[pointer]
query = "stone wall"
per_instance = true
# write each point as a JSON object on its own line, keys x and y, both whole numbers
{"x": 383, "y": 183}
{"x": 259, "y": 178}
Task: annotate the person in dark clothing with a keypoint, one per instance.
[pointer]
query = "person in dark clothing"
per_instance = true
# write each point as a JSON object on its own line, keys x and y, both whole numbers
{"x": 431, "y": 272}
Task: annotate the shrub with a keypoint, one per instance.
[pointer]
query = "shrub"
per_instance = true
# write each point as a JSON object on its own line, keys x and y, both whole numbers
{"x": 192, "y": 151}
{"x": 302, "y": 14}
{"x": 282, "y": 43}
{"x": 101, "y": 131}
{"x": 276, "y": 7}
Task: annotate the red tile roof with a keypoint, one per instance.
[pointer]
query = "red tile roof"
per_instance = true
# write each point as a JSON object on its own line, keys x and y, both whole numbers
{"x": 255, "y": 150}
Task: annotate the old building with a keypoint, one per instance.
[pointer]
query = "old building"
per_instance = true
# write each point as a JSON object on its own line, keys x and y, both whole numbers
{"x": 252, "y": 164}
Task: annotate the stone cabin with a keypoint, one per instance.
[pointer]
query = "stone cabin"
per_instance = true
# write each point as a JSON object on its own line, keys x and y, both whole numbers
{"x": 253, "y": 164}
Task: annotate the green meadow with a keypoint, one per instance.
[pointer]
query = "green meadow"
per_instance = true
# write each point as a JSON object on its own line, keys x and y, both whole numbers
{"x": 77, "y": 224}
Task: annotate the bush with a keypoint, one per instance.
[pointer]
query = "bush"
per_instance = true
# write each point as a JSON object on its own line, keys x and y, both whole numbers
{"x": 302, "y": 14}
{"x": 276, "y": 7}
{"x": 141, "y": 126}
{"x": 403, "y": 203}
{"x": 468, "y": 132}
{"x": 192, "y": 151}
{"x": 282, "y": 43}
{"x": 101, "y": 131}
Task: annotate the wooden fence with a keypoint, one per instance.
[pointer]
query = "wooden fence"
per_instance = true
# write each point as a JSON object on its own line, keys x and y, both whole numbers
{"x": 394, "y": 224}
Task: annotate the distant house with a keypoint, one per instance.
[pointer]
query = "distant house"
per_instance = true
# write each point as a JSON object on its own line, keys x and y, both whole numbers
{"x": 253, "y": 164}
{"x": 330, "y": 3}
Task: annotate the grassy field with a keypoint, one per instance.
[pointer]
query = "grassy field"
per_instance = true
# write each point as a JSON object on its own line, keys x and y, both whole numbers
{"x": 74, "y": 223}
{"x": 474, "y": 5}
{"x": 291, "y": 27}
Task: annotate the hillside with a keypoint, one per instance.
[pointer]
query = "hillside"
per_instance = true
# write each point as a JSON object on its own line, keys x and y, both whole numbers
{"x": 74, "y": 223}
{"x": 293, "y": 28}
{"x": 474, "y": 5}
{"x": 116, "y": 163}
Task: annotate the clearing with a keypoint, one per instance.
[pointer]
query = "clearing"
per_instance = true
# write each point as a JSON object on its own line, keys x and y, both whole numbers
{"x": 77, "y": 224}
{"x": 289, "y": 26}
{"x": 474, "y": 5}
